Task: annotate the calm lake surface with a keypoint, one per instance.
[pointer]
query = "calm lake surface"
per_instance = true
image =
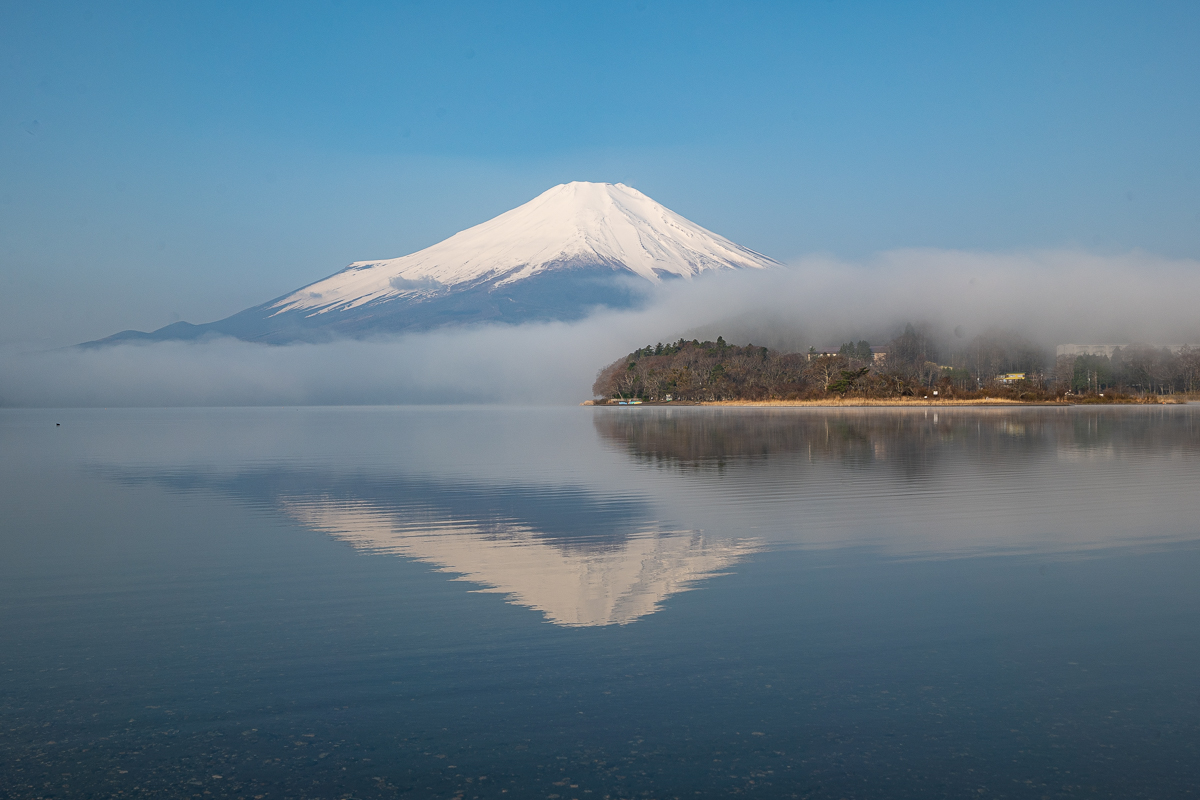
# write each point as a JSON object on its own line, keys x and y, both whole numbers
{"x": 583, "y": 602}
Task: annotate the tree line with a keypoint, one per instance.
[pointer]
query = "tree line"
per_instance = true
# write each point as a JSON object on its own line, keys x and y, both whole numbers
{"x": 1139, "y": 369}
{"x": 913, "y": 363}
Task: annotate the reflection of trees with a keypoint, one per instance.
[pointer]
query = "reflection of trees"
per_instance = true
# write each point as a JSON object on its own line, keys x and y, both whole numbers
{"x": 692, "y": 439}
{"x": 1168, "y": 432}
{"x": 710, "y": 438}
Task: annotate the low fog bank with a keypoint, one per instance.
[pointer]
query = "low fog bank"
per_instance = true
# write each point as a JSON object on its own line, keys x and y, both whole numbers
{"x": 551, "y": 364}
{"x": 1046, "y": 297}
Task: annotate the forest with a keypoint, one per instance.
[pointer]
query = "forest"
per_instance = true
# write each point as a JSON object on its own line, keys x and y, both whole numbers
{"x": 999, "y": 364}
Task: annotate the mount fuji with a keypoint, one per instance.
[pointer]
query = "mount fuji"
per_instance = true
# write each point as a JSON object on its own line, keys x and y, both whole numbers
{"x": 559, "y": 256}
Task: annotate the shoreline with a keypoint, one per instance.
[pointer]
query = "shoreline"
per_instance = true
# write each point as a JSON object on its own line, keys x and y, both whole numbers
{"x": 906, "y": 401}
{"x": 882, "y": 403}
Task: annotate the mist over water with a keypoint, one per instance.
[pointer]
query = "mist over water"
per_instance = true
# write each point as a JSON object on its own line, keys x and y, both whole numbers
{"x": 1049, "y": 297}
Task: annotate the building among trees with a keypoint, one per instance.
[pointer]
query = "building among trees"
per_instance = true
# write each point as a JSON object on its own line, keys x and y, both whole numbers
{"x": 914, "y": 363}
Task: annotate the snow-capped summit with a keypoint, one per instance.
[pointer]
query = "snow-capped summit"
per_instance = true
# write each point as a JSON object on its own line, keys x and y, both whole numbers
{"x": 571, "y": 249}
{"x": 571, "y": 225}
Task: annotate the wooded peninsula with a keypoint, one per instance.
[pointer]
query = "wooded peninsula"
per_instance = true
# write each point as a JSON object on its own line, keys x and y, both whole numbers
{"x": 911, "y": 367}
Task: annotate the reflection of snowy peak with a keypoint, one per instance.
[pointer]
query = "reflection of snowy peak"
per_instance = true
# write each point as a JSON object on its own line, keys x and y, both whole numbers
{"x": 574, "y": 587}
{"x": 574, "y": 224}
{"x": 571, "y": 249}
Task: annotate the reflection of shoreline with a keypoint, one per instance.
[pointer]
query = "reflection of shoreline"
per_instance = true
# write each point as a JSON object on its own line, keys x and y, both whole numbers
{"x": 909, "y": 439}
{"x": 609, "y": 584}
{"x": 928, "y": 484}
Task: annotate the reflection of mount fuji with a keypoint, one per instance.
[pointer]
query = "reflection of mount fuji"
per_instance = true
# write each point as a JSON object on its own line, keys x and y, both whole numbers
{"x": 573, "y": 586}
{"x": 579, "y": 558}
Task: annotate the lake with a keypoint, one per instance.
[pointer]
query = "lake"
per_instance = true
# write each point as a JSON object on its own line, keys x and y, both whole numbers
{"x": 600, "y": 602}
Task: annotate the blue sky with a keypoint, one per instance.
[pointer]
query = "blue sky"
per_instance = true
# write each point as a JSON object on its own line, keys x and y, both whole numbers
{"x": 160, "y": 161}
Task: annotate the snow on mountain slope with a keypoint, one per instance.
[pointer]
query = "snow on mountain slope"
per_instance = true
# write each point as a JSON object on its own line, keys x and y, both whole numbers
{"x": 571, "y": 225}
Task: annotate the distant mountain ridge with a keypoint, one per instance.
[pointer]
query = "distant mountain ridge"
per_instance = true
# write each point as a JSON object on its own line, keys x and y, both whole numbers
{"x": 570, "y": 249}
